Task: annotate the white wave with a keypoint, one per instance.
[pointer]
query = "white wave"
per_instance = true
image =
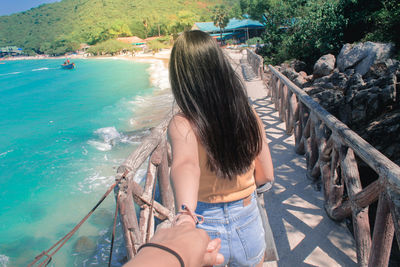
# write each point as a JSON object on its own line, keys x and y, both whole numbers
{"x": 11, "y": 73}
{"x": 40, "y": 69}
{"x": 4, "y": 260}
{"x": 2, "y": 155}
{"x": 94, "y": 182}
{"x": 159, "y": 75}
{"x": 100, "y": 145}
{"x": 109, "y": 137}
{"x": 108, "y": 134}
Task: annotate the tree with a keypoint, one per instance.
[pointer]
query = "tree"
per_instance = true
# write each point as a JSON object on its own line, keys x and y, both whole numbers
{"x": 220, "y": 18}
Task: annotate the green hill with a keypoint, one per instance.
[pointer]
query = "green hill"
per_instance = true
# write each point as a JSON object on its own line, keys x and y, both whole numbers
{"x": 60, "y": 27}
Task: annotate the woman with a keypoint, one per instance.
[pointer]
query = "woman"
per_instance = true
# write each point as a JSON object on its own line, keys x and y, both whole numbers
{"x": 220, "y": 151}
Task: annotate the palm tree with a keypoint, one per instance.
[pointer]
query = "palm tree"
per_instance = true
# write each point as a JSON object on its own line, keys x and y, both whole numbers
{"x": 220, "y": 17}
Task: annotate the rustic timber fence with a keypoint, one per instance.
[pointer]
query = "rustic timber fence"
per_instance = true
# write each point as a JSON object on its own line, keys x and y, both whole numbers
{"x": 330, "y": 148}
{"x": 256, "y": 62}
{"x": 156, "y": 150}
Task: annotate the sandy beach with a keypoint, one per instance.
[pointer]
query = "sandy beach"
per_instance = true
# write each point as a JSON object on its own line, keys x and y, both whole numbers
{"x": 163, "y": 55}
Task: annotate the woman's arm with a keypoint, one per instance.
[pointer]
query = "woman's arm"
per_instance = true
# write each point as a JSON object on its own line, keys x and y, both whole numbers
{"x": 264, "y": 170}
{"x": 185, "y": 170}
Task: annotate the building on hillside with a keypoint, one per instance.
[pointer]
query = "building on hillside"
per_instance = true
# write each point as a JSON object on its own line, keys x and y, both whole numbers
{"x": 134, "y": 40}
{"x": 10, "y": 51}
{"x": 239, "y": 30}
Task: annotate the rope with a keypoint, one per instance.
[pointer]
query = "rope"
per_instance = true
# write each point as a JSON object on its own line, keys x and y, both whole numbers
{"x": 60, "y": 243}
{"x": 113, "y": 232}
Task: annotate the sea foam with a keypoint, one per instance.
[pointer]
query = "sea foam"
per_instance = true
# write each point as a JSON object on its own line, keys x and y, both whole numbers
{"x": 4, "y": 260}
{"x": 2, "y": 155}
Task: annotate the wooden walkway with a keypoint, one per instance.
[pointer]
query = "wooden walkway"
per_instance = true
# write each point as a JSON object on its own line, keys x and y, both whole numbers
{"x": 303, "y": 233}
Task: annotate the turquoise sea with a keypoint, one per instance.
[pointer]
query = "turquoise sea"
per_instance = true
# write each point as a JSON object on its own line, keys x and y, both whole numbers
{"x": 63, "y": 133}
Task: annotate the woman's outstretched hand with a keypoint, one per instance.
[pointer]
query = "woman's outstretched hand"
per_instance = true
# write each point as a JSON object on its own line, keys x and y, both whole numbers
{"x": 192, "y": 244}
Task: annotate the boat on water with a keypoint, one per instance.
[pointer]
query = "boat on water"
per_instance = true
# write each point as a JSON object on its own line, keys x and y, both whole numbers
{"x": 69, "y": 66}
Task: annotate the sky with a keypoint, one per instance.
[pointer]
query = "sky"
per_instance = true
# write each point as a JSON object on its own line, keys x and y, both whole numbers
{"x": 8, "y": 7}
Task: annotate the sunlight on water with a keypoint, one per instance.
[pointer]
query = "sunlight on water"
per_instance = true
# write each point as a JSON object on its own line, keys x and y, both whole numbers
{"x": 63, "y": 134}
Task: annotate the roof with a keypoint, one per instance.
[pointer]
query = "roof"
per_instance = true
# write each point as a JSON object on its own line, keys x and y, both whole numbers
{"x": 232, "y": 25}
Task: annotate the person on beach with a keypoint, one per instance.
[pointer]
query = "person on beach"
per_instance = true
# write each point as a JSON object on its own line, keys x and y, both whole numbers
{"x": 219, "y": 150}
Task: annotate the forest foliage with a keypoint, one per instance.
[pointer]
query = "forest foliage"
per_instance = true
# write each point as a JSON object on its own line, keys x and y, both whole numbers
{"x": 302, "y": 29}
{"x": 308, "y": 29}
{"x": 62, "y": 26}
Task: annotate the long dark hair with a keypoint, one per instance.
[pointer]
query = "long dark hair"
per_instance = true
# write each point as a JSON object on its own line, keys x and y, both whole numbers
{"x": 212, "y": 97}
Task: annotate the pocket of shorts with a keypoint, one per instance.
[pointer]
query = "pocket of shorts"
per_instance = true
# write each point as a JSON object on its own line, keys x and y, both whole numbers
{"x": 251, "y": 235}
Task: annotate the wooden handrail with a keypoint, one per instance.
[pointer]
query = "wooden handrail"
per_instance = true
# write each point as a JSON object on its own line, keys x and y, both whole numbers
{"x": 330, "y": 148}
{"x": 153, "y": 147}
{"x": 375, "y": 159}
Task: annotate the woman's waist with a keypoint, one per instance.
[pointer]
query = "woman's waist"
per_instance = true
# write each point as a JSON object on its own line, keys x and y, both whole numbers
{"x": 220, "y": 212}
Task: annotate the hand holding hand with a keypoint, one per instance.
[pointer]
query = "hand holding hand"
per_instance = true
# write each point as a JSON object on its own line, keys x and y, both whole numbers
{"x": 192, "y": 244}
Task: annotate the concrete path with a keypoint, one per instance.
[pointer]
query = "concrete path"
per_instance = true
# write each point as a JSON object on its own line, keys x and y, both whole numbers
{"x": 303, "y": 233}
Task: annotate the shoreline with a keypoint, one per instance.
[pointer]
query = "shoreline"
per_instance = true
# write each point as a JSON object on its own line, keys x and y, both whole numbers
{"x": 140, "y": 57}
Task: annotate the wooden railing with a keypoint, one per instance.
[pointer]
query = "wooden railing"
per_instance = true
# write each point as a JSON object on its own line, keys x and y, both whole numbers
{"x": 256, "y": 62}
{"x": 330, "y": 148}
{"x": 155, "y": 149}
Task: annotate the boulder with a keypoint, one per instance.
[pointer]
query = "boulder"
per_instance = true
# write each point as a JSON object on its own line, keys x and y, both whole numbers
{"x": 298, "y": 65}
{"x": 362, "y": 56}
{"x": 324, "y": 66}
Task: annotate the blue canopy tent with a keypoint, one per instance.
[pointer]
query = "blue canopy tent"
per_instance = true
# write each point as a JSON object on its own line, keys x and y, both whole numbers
{"x": 240, "y": 30}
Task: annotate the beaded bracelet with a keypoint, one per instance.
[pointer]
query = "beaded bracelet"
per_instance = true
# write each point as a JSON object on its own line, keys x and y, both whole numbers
{"x": 165, "y": 249}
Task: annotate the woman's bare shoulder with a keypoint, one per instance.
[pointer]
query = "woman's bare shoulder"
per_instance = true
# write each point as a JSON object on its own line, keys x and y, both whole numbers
{"x": 179, "y": 126}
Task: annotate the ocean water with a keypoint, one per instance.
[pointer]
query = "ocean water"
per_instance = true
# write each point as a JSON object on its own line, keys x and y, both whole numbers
{"x": 63, "y": 133}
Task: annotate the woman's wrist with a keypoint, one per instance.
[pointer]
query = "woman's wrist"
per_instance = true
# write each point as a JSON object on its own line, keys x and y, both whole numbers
{"x": 183, "y": 218}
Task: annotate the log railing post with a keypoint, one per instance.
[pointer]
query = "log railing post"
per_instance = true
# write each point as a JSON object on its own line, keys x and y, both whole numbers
{"x": 383, "y": 234}
{"x": 167, "y": 195}
{"x": 360, "y": 216}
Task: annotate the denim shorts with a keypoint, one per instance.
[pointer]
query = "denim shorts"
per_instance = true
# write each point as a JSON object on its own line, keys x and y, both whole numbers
{"x": 239, "y": 227}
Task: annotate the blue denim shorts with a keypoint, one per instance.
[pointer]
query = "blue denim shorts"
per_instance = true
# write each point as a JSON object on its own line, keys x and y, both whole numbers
{"x": 239, "y": 227}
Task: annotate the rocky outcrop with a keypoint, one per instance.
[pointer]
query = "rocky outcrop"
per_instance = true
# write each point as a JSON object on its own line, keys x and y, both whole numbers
{"x": 362, "y": 56}
{"x": 363, "y": 91}
{"x": 324, "y": 66}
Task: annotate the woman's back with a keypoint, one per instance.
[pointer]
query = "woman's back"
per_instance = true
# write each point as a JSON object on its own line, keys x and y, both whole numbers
{"x": 214, "y": 189}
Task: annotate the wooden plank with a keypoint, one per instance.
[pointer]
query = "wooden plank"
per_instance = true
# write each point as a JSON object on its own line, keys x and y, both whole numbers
{"x": 283, "y": 102}
{"x": 290, "y": 114}
{"x": 160, "y": 211}
{"x": 335, "y": 188}
{"x": 145, "y": 209}
{"x": 361, "y": 200}
{"x": 394, "y": 203}
{"x": 298, "y": 131}
{"x": 383, "y": 234}
{"x": 167, "y": 195}
{"x": 361, "y": 226}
